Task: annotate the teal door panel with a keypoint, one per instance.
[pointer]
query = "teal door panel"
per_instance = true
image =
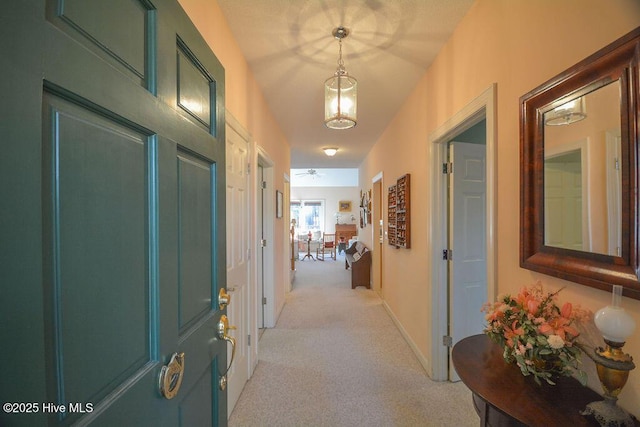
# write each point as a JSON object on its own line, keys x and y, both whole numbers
{"x": 129, "y": 49}
{"x": 21, "y": 301}
{"x": 96, "y": 251}
{"x": 112, "y": 215}
{"x": 197, "y": 408}
{"x": 195, "y": 264}
{"x": 196, "y": 293}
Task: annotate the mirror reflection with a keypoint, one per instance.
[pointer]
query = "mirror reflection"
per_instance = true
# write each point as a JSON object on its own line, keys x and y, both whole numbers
{"x": 582, "y": 176}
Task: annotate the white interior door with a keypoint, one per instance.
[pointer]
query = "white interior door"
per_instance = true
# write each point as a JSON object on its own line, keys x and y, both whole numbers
{"x": 563, "y": 202}
{"x": 238, "y": 263}
{"x": 467, "y": 241}
{"x": 261, "y": 233}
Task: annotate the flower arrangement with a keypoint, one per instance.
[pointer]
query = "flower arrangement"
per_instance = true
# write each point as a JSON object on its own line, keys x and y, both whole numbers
{"x": 537, "y": 334}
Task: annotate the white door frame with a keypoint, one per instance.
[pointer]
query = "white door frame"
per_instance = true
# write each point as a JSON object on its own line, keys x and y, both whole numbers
{"x": 378, "y": 209}
{"x": 286, "y": 216}
{"x": 484, "y": 106}
{"x": 242, "y": 318}
{"x": 268, "y": 210}
{"x": 614, "y": 192}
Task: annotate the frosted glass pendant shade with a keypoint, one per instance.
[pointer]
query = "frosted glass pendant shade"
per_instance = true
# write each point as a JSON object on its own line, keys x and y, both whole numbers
{"x": 340, "y": 101}
{"x": 613, "y": 321}
{"x": 570, "y": 112}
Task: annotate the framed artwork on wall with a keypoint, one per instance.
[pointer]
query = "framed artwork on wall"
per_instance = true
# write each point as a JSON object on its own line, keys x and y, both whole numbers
{"x": 344, "y": 206}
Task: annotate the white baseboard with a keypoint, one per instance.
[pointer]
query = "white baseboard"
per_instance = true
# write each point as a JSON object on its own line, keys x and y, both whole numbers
{"x": 421, "y": 358}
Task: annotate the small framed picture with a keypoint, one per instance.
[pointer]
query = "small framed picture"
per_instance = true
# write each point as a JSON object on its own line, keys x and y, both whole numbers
{"x": 278, "y": 204}
{"x": 344, "y": 206}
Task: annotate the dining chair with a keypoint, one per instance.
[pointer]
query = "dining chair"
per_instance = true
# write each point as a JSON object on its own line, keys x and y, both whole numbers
{"x": 327, "y": 245}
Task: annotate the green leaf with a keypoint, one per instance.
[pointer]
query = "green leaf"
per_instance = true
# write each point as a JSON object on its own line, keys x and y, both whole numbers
{"x": 582, "y": 377}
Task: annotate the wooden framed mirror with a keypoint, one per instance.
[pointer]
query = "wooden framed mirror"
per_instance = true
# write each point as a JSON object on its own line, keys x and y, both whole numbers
{"x": 579, "y": 171}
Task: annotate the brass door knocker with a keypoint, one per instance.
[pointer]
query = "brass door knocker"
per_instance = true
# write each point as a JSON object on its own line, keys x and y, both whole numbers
{"x": 171, "y": 376}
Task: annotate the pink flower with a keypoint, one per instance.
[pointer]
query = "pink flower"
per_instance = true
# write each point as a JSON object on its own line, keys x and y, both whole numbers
{"x": 539, "y": 320}
{"x": 514, "y": 320}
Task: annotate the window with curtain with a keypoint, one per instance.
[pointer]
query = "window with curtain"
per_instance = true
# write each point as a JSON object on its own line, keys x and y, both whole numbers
{"x": 309, "y": 215}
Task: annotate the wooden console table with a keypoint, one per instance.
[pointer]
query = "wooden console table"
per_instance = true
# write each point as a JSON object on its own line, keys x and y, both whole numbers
{"x": 503, "y": 396}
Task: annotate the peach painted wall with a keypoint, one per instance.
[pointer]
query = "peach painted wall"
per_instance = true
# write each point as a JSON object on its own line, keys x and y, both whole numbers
{"x": 518, "y": 45}
{"x": 245, "y": 102}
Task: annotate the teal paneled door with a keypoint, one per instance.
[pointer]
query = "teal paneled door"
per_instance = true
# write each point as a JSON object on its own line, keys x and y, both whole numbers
{"x": 112, "y": 217}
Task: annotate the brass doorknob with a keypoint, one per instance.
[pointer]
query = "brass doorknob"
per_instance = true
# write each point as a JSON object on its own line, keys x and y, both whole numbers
{"x": 223, "y": 328}
{"x": 223, "y": 298}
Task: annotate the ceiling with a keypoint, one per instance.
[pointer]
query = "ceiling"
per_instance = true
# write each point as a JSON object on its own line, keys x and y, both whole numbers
{"x": 324, "y": 177}
{"x": 291, "y": 52}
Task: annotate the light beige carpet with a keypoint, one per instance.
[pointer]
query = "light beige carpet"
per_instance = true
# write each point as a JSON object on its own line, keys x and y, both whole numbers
{"x": 336, "y": 358}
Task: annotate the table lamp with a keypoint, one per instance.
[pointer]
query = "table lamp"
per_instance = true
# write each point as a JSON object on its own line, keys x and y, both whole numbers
{"x": 612, "y": 364}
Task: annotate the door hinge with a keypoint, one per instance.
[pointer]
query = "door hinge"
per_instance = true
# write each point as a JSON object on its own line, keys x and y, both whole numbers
{"x": 616, "y": 164}
{"x": 263, "y": 243}
{"x": 264, "y": 185}
{"x": 248, "y": 340}
{"x": 264, "y": 300}
{"x": 447, "y": 341}
{"x": 447, "y": 168}
{"x": 447, "y": 254}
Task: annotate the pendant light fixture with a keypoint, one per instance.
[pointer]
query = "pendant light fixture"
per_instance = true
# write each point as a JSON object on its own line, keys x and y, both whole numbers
{"x": 570, "y": 112}
{"x": 340, "y": 92}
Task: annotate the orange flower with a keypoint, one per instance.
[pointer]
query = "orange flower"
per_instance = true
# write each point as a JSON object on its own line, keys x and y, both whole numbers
{"x": 532, "y": 306}
{"x": 566, "y": 310}
{"x": 512, "y": 334}
{"x": 558, "y": 326}
{"x": 529, "y": 299}
{"x": 517, "y": 322}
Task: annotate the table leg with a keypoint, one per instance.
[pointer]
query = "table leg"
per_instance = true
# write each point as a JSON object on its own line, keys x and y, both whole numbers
{"x": 308, "y": 255}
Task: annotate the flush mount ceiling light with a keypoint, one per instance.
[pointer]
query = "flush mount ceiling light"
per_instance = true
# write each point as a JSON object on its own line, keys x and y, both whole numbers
{"x": 330, "y": 151}
{"x": 570, "y": 112}
{"x": 340, "y": 92}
